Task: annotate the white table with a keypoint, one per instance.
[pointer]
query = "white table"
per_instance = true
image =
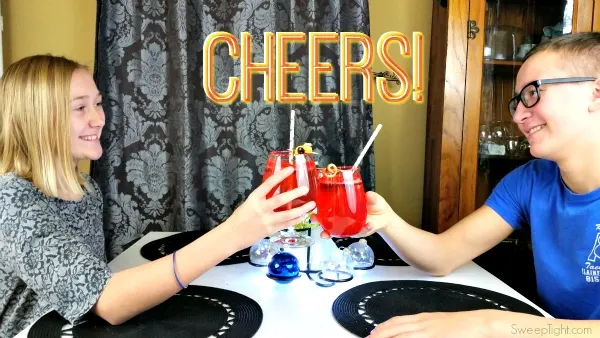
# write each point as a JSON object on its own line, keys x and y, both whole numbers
{"x": 302, "y": 304}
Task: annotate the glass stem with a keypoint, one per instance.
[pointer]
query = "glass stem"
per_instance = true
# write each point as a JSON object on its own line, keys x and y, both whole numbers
{"x": 291, "y": 232}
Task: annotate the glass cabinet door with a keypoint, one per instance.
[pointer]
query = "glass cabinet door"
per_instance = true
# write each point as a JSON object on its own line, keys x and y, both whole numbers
{"x": 512, "y": 28}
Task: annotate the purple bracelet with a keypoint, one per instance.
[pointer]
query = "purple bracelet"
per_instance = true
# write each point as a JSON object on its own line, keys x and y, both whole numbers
{"x": 175, "y": 272}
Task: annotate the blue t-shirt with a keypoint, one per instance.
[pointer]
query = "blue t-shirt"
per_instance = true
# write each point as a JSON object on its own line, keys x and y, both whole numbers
{"x": 565, "y": 235}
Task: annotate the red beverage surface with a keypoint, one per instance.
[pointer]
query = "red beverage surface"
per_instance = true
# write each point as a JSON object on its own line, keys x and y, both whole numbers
{"x": 304, "y": 175}
{"x": 341, "y": 205}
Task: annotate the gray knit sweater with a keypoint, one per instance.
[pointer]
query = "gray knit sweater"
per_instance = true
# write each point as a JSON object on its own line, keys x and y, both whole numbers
{"x": 51, "y": 254}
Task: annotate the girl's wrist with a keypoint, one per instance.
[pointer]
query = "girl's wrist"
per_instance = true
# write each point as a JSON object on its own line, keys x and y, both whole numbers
{"x": 225, "y": 234}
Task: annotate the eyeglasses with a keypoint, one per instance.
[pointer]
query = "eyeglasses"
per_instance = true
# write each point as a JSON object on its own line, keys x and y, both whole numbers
{"x": 530, "y": 94}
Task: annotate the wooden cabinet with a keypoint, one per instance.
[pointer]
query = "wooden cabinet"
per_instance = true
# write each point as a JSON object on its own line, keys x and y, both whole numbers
{"x": 476, "y": 47}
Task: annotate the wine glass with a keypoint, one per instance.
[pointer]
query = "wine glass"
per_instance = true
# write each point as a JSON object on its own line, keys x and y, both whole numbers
{"x": 341, "y": 201}
{"x": 304, "y": 175}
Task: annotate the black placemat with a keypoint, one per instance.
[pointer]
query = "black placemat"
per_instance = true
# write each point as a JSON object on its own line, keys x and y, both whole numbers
{"x": 384, "y": 255}
{"x": 359, "y": 309}
{"x": 167, "y": 245}
{"x": 198, "y": 311}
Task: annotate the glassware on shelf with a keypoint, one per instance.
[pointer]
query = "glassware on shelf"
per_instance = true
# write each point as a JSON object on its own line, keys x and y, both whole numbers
{"x": 505, "y": 41}
{"x": 524, "y": 145}
{"x": 493, "y": 138}
{"x": 513, "y": 145}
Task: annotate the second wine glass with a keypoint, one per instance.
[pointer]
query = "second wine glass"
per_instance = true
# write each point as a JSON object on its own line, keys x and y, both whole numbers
{"x": 341, "y": 201}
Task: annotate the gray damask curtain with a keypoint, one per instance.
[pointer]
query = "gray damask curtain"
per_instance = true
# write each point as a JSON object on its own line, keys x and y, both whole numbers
{"x": 176, "y": 161}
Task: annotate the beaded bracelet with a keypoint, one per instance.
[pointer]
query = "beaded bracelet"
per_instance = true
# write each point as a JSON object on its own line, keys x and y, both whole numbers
{"x": 175, "y": 272}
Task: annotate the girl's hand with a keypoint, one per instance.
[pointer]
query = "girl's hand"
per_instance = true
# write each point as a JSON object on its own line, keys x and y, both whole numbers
{"x": 256, "y": 219}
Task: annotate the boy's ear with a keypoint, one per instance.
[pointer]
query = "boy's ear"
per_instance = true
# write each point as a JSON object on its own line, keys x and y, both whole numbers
{"x": 595, "y": 104}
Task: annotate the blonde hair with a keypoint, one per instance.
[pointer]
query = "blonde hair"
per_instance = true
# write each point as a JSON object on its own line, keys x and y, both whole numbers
{"x": 35, "y": 124}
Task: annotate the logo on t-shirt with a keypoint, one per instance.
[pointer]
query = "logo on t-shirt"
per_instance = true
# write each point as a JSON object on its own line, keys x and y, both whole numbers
{"x": 591, "y": 272}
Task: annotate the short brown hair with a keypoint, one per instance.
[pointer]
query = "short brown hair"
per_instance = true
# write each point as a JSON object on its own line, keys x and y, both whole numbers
{"x": 581, "y": 51}
{"x": 35, "y": 124}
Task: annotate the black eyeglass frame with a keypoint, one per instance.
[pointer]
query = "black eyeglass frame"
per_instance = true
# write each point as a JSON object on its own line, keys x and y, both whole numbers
{"x": 536, "y": 84}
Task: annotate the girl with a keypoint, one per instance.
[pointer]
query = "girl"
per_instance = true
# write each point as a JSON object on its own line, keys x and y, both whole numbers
{"x": 51, "y": 240}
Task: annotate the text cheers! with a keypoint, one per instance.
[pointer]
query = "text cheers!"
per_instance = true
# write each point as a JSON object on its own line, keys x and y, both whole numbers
{"x": 275, "y": 73}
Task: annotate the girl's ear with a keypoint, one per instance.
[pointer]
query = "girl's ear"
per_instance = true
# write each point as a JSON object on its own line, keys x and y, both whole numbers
{"x": 594, "y": 105}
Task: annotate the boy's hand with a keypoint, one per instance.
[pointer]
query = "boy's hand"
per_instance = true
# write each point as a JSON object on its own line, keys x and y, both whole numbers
{"x": 379, "y": 216}
{"x": 464, "y": 324}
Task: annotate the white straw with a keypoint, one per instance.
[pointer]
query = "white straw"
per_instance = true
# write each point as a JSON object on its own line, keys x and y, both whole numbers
{"x": 364, "y": 151}
{"x": 292, "y": 118}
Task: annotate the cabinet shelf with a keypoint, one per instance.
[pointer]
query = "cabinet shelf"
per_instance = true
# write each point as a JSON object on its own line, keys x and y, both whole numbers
{"x": 494, "y": 62}
{"x": 525, "y": 157}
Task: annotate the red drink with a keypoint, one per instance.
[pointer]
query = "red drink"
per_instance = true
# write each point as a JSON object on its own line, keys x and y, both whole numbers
{"x": 341, "y": 202}
{"x": 304, "y": 175}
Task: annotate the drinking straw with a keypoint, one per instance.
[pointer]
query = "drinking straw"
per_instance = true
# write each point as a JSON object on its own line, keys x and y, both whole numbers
{"x": 364, "y": 151}
{"x": 292, "y": 117}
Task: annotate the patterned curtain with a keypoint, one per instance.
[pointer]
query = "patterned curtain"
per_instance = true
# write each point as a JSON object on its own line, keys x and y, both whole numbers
{"x": 176, "y": 161}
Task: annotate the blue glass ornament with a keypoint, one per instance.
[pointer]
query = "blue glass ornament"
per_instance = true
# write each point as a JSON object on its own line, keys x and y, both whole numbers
{"x": 283, "y": 268}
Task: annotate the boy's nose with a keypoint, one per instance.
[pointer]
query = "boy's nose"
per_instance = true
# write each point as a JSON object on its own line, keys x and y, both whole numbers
{"x": 521, "y": 113}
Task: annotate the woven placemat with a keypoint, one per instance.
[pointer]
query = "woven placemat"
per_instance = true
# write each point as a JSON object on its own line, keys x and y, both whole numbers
{"x": 384, "y": 255}
{"x": 165, "y": 246}
{"x": 198, "y": 311}
{"x": 361, "y": 308}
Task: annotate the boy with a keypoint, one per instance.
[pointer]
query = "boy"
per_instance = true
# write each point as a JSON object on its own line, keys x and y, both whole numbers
{"x": 555, "y": 197}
